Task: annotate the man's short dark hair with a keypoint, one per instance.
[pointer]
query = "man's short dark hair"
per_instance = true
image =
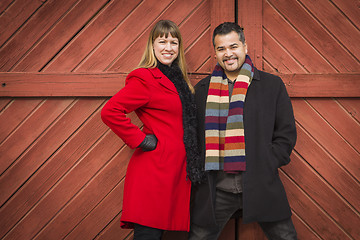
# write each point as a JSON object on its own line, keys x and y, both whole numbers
{"x": 228, "y": 27}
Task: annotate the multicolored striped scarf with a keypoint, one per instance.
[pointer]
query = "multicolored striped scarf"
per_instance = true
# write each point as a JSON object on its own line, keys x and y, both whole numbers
{"x": 224, "y": 127}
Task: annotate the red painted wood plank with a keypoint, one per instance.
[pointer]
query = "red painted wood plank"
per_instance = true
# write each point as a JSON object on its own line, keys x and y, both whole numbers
{"x": 339, "y": 119}
{"x": 114, "y": 232}
{"x": 206, "y": 67}
{"x": 101, "y": 216}
{"x": 4, "y": 4}
{"x": 316, "y": 35}
{"x": 64, "y": 84}
{"x": 177, "y": 12}
{"x": 327, "y": 167}
{"x": 323, "y": 85}
{"x": 352, "y": 105}
{"x": 303, "y": 230}
{"x": 117, "y": 41}
{"x": 310, "y": 212}
{"x": 107, "y": 84}
{"x": 220, "y": 11}
{"x": 26, "y": 135}
{"x": 57, "y": 166}
{"x": 198, "y": 53}
{"x": 45, "y": 146}
{"x": 54, "y": 40}
{"x": 334, "y": 144}
{"x": 14, "y": 16}
{"x": 350, "y": 10}
{"x": 290, "y": 39}
{"x": 88, "y": 198}
{"x": 64, "y": 191}
{"x": 320, "y": 192}
{"x": 250, "y": 16}
{"x": 15, "y": 113}
{"x": 35, "y": 28}
{"x": 331, "y": 18}
{"x": 4, "y": 102}
{"x": 280, "y": 58}
{"x": 103, "y": 24}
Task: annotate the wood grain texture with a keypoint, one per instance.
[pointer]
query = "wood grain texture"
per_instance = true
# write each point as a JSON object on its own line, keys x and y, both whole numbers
{"x": 107, "y": 84}
{"x": 62, "y": 170}
{"x": 250, "y": 17}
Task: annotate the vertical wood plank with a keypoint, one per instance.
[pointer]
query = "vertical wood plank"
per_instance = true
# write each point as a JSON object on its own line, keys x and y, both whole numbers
{"x": 221, "y": 11}
{"x": 250, "y": 18}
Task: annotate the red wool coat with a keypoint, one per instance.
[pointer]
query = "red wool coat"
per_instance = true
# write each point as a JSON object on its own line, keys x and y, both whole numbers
{"x": 156, "y": 191}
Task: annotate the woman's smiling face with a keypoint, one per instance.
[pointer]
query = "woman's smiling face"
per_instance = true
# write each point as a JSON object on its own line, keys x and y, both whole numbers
{"x": 166, "y": 49}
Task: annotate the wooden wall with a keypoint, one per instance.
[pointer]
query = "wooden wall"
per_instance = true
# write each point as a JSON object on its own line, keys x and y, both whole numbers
{"x": 62, "y": 170}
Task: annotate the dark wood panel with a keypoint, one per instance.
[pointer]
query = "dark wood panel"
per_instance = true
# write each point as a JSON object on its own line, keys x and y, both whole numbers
{"x": 15, "y": 16}
{"x": 58, "y": 36}
{"x": 316, "y": 35}
{"x": 48, "y": 175}
{"x": 35, "y": 28}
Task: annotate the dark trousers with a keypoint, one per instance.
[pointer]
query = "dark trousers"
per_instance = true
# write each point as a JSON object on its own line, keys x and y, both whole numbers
{"x": 226, "y": 205}
{"x": 146, "y": 233}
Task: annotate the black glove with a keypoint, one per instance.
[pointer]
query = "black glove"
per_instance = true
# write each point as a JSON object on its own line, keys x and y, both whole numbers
{"x": 149, "y": 143}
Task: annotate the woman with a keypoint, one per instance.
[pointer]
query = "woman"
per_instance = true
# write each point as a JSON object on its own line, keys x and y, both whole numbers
{"x": 157, "y": 186}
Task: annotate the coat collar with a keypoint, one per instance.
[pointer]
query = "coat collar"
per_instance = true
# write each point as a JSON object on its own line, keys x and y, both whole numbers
{"x": 162, "y": 79}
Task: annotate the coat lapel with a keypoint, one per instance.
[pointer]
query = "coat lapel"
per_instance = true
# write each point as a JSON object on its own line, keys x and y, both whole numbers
{"x": 163, "y": 80}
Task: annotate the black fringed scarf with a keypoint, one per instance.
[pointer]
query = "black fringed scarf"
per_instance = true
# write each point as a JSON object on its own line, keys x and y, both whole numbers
{"x": 193, "y": 164}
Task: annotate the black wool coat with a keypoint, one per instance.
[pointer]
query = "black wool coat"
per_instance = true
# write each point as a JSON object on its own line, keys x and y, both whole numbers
{"x": 270, "y": 136}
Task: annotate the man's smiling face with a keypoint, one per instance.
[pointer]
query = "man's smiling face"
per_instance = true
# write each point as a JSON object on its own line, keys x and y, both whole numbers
{"x": 230, "y": 53}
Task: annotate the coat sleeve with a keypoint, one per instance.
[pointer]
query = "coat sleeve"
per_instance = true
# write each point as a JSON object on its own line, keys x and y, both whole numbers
{"x": 284, "y": 136}
{"x": 133, "y": 96}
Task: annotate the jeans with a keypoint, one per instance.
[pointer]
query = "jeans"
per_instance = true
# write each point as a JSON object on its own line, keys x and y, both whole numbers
{"x": 146, "y": 233}
{"x": 226, "y": 205}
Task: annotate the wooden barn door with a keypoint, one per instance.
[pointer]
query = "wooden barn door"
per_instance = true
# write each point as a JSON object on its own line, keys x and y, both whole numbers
{"x": 314, "y": 46}
{"x": 62, "y": 170}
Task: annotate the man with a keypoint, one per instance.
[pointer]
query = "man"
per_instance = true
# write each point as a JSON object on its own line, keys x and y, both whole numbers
{"x": 246, "y": 131}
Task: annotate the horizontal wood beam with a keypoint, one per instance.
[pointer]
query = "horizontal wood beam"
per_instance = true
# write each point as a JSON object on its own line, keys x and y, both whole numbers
{"x": 107, "y": 84}
{"x": 322, "y": 85}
